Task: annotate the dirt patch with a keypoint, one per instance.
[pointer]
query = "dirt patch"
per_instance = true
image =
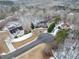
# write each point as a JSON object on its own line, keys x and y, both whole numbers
{"x": 36, "y": 53}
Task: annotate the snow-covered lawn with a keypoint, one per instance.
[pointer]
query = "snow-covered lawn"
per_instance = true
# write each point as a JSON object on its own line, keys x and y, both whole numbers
{"x": 52, "y": 58}
{"x": 24, "y": 37}
{"x": 54, "y": 32}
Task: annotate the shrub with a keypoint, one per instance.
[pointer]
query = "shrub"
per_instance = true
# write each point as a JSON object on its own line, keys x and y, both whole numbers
{"x": 16, "y": 37}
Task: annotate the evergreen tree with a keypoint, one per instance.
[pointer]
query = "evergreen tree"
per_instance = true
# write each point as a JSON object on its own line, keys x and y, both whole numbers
{"x": 51, "y": 27}
{"x": 32, "y": 26}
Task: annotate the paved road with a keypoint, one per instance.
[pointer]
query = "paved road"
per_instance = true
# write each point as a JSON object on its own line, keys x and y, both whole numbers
{"x": 43, "y": 38}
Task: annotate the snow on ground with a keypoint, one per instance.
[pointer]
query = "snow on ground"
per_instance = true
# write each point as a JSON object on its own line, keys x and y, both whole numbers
{"x": 69, "y": 49}
{"x": 52, "y": 58}
{"x": 3, "y": 54}
{"x": 24, "y": 37}
{"x": 54, "y": 32}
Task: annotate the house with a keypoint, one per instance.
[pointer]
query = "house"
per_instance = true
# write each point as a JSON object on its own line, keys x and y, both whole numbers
{"x": 14, "y": 28}
{"x": 65, "y": 25}
{"x": 42, "y": 24}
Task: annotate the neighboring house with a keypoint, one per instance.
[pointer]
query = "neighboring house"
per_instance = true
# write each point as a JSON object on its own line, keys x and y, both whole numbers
{"x": 65, "y": 25}
{"x": 40, "y": 22}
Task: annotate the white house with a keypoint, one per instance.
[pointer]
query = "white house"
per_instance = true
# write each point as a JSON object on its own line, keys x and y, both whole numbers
{"x": 14, "y": 28}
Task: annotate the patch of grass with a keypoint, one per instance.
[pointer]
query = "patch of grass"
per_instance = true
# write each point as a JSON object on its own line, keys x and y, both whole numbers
{"x": 21, "y": 43}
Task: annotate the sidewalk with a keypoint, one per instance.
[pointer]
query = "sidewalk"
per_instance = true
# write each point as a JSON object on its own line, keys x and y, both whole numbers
{"x": 9, "y": 45}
